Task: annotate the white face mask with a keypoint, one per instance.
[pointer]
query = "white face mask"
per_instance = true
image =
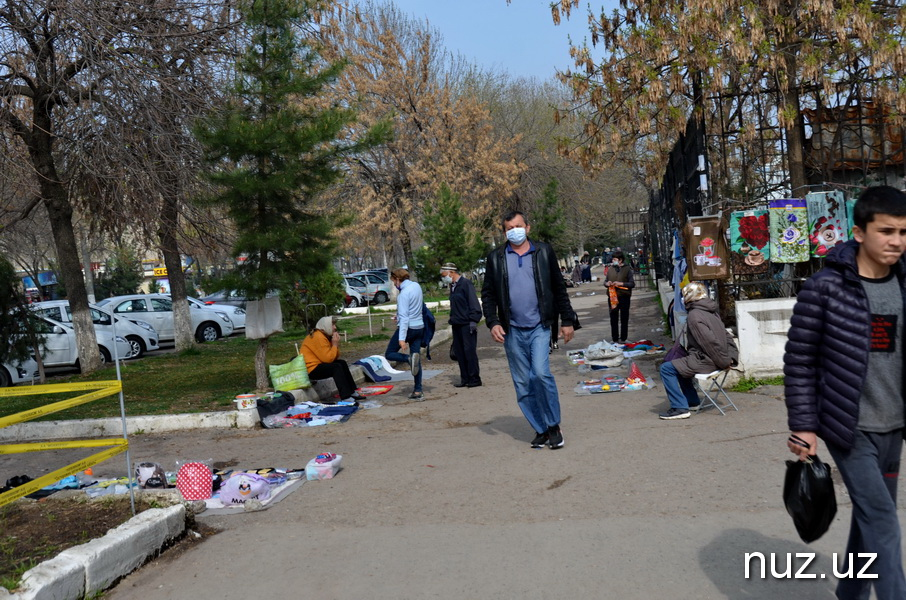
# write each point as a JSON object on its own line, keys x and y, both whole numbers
{"x": 516, "y": 235}
{"x": 615, "y": 263}
{"x": 446, "y": 279}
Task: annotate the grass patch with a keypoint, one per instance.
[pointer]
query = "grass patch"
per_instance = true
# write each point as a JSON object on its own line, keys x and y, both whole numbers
{"x": 202, "y": 379}
{"x": 750, "y": 383}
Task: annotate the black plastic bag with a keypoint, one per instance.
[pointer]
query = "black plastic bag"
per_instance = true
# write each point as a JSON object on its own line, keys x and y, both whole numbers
{"x": 274, "y": 404}
{"x": 808, "y": 494}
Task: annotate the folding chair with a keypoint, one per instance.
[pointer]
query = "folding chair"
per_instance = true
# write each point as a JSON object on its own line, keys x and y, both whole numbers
{"x": 714, "y": 389}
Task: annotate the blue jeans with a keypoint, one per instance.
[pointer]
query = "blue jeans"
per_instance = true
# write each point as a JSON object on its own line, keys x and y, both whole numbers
{"x": 527, "y": 351}
{"x": 870, "y": 469}
{"x": 680, "y": 390}
{"x": 414, "y": 339}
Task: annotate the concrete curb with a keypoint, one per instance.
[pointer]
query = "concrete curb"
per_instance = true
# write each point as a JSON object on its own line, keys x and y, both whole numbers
{"x": 93, "y": 567}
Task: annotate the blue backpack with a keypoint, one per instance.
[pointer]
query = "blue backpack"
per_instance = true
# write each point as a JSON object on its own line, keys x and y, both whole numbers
{"x": 430, "y": 325}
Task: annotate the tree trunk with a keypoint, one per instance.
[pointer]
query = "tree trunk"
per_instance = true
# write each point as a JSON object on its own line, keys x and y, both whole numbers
{"x": 182, "y": 319}
{"x": 262, "y": 379}
{"x": 59, "y": 211}
{"x": 795, "y": 134}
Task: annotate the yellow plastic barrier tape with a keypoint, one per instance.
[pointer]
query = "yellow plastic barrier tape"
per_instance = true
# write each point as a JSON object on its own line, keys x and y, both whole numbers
{"x": 41, "y": 446}
{"x": 104, "y": 388}
{"x": 119, "y": 445}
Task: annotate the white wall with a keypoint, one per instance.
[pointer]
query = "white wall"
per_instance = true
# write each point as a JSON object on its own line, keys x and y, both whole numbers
{"x": 762, "y": 326}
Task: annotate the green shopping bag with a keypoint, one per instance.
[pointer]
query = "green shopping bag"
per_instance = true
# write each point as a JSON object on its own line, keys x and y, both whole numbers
{"x": 291, "y": 376}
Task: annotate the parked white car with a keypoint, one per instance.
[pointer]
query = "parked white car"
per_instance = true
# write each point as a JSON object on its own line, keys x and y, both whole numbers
{"x": 14, "y": 373}
{"x": 235, "y": 313}
{"x": 157, "y": 309}
{"x": 141, "y": 335}
{"x": 61, "y": 349}
{"x": 379, "y": 290}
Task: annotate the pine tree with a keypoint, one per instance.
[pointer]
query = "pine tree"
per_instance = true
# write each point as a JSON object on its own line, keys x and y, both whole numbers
{"x": 547, "y": 222}
{"x": 447, "y": 237}
{"x": 273, "y": 149}
{"x": 17, "y": 322}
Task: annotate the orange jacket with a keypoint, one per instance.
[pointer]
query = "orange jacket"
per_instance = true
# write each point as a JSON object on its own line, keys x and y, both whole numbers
{"x": 317, "y": 349}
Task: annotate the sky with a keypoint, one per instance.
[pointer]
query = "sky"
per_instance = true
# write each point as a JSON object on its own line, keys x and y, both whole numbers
{"x": 519, "y": 38}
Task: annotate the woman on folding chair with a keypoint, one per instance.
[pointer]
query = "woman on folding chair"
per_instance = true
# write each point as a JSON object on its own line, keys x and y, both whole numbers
{"x": 704, "y": 346}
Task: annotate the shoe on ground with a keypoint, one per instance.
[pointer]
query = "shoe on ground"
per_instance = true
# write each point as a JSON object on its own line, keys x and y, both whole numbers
{"x": 460, "y": 384}
{"x": 417, "y": 396}
{"x": 695, "y": 407}
{"x": 540, "y": 440}
{"x": 415, "y": 364}
{"x": 556, "y": 346}
{"x": 554, "y": 437}
{"x": 474, "y": 384}
{"x": 357, "y": 396}
{"x": 675, "y": 413}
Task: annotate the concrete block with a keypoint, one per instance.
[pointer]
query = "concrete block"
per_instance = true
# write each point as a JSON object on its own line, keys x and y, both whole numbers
{"x": 59, "y": 578}
{"x": 762, "y": 327}
{"x": 127, "y": 547}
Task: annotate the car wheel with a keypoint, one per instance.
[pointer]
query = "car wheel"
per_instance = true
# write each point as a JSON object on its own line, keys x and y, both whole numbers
{"x": 207, "y": 332}
{"x": 353, "y": 303}
{"x": 105, "y": 355}
{"x": 380, "y": 297}
{"x": 136, "y": 345}
{"x": 6, "y": 379}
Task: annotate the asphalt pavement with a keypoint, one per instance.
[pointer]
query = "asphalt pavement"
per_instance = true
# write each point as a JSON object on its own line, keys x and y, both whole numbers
{"x": 445, "y": 498}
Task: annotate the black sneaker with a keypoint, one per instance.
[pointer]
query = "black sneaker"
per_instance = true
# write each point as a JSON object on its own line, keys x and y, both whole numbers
{"x": 555, "y": 437}
{"x": 675, "y": 413}
{"x": 415, "y": 364}
{"x": 540, "y": 440}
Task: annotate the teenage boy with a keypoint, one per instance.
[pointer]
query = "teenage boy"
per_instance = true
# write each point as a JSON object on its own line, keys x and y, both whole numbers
{"x": 844, "y": 382}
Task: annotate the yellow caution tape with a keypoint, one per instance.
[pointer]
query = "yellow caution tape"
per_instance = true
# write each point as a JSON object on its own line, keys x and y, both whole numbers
{"x": 56, "y": 388}
{"x": 119, "y": 445}
{"x": 104, "y": 388}
{"x": 41, "y": 446}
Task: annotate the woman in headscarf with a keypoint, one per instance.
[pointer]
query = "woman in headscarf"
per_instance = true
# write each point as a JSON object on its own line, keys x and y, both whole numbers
{"x": 321, "y": 350}
{"x": 709, "y": 346}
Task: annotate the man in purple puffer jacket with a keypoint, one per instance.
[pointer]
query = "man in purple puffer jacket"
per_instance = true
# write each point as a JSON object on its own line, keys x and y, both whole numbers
{"x": 844, "y": 382}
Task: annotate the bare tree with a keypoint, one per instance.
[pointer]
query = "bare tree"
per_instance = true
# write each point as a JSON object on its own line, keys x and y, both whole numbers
{"x": 73, "y": 77}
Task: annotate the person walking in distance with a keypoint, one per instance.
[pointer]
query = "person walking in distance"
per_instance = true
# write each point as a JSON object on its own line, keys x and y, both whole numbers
{"x": 522, "y": 292}
{"x": 410, "y": 328}
{"x": 465, "y": 314}
{"x": 843, "y": 370}
{"x": 620, "y": 282}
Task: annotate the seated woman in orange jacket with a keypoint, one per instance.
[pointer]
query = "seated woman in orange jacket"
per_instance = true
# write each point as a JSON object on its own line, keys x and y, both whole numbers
{"x": 321, "y": 350}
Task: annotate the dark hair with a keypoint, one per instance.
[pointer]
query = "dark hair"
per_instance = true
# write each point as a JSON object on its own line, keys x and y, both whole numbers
{"x": 878, "y": 200}
{"x": 512, "y": 215}
{"x": 618, "y": 254}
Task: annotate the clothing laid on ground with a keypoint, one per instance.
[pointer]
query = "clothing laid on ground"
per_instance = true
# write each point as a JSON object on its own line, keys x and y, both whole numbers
{"x": 322, "y": 362}
{"x": 523, "y": 294}
{"x": 619, "y": 312}
{"x": 465, "y": 314}
{"x": 844, "y": 334}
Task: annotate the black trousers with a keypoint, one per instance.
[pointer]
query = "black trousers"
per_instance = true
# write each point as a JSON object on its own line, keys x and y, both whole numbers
{"x": 619, "y": 318}
{"x": 339, "y": 371}
{"x": 465, "y": 347}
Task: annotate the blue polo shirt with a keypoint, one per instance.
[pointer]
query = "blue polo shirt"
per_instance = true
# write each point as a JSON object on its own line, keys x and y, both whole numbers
{"x": 524, "y": 309}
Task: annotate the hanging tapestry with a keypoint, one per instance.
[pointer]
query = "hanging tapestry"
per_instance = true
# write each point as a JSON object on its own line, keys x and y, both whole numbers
{"x": 749, "y": 242}
{"x": 789, "y": 230}
{"x": 850, "y": 206}
{"x": 707, "y": 253}
{"x": 827, "y": 221}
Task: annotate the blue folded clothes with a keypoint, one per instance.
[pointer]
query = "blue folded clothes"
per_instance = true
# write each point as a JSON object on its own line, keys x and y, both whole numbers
{"x": 329, "y": 411}
{"x": 369, "y": 370}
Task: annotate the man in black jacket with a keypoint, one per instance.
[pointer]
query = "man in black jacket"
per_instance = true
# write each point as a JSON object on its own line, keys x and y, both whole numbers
{"x": 844, "y": 382}
{"x": 523, "y": 291}
{"x": 465, "y": 313}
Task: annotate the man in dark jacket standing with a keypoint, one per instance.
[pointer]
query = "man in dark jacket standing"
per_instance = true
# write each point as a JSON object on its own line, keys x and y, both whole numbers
{"x": 522, "y": 293}
{"x": 844, "y": 383}
{"x": 465, "y": 314}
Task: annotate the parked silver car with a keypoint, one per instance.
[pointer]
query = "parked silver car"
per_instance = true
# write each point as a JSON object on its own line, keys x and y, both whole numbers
{"x": 12, "y": 373}
{"x": 235, "y": 313}
{"x": 157, "y": 309}
{"x": 61, "y": 350}
{"x": 141, "y": 335}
